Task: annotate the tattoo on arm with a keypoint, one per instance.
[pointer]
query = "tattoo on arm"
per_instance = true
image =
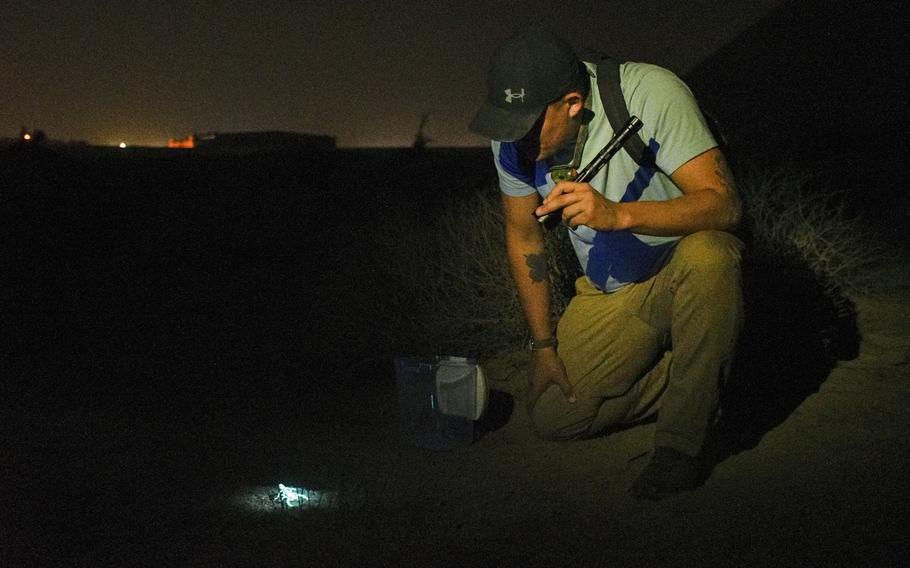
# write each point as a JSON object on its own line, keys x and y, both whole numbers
{"x": 538, "y": 265}
{"x": 723, "y": 173}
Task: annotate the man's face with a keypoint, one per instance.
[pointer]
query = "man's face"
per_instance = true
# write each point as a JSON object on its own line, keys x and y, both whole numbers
{"x": 529, "y": 144}
{"x": 558, "y": 128}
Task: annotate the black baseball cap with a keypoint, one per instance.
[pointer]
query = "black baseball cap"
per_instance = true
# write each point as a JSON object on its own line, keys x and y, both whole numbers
{"x": 527, "y": 72}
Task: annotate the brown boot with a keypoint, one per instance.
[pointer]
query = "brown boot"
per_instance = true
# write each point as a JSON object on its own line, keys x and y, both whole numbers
{"x": 669, "y": 472}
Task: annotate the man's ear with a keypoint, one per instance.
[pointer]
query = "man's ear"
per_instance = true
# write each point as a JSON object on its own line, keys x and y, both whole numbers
{"x": 576, "y": 102}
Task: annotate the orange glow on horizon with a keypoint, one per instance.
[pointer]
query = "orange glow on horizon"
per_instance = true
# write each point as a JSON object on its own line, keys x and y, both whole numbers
{"x": 188, "y": 142}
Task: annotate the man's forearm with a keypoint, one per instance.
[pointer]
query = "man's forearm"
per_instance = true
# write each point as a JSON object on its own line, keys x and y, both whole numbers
{"x": 529, "y": 271}
{"x": 528, "y": 262}
{"x": 687, "y": 214}
{"x": 709, "y": 201}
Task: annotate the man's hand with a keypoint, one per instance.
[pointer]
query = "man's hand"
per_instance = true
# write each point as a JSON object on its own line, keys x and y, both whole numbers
{"x": 581, "y": 204}
{"x": 546, "y": 370}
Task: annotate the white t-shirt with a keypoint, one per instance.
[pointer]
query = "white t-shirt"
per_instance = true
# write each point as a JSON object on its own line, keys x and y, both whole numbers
{"x": 675, "y": 131}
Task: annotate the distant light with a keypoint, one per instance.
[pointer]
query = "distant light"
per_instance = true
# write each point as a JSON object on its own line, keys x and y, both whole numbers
{"x": 123, "y": 144}
{"x": 26, "y": 136}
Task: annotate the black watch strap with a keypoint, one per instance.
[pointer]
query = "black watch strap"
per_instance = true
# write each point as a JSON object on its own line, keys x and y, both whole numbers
{"x": 536, "y": 344}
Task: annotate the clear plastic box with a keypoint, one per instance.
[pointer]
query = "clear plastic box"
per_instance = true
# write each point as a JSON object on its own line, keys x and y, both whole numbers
{"x": 438, "y": 400}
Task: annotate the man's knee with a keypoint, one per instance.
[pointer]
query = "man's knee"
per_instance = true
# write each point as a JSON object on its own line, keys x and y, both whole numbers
{"x": 556, "y": 419}
{"x": 553, "y": 432}
{"x": 710, "y": 252}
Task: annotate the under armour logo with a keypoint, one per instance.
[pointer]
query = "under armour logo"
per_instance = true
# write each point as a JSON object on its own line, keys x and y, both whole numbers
{"x": 510, "y": 96}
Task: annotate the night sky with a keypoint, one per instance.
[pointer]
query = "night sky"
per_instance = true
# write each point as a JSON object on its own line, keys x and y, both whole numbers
{"x": 140, "y": 72}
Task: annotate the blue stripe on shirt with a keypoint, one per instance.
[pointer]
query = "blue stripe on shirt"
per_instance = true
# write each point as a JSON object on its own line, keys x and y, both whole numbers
{"x": 620, "y": 254}
{"x": 642, "y": 178}
{"x": 531, "y": 173}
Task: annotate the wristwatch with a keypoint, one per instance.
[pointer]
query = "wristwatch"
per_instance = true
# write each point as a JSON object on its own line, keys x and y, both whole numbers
{"x": 535, "y": 344}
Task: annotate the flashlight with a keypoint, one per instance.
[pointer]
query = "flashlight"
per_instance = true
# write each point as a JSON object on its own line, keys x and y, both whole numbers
{"x": 588, "y": 172}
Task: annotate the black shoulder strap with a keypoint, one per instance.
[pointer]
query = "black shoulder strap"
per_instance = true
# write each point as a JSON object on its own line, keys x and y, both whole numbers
{"x": 608, "y": 83}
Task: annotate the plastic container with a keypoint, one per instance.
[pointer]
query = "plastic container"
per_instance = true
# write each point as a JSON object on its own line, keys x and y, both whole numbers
{"x": 438, "y": 400}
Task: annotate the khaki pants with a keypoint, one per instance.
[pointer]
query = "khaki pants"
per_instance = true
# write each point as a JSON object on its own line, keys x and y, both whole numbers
{"x": 665, "y": 343}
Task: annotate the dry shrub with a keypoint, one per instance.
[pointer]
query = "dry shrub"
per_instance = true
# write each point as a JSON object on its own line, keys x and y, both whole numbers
{"x": 452, "y": 288}
{"x": 793, "y": 222}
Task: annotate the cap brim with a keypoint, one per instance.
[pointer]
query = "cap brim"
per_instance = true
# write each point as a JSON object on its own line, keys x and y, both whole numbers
{"x": 503, "y": 125}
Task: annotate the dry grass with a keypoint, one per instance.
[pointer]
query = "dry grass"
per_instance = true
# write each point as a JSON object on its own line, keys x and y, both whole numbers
{"x": 452, "y": 287}
{"x": 792, "y": 222}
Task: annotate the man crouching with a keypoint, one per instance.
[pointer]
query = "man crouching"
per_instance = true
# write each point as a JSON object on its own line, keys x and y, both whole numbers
{"x": 655, "y": 321}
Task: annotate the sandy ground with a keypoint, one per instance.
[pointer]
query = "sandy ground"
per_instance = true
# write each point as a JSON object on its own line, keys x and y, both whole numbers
{"x": 826, "y": 486}
{"x": 137, "y": 434}
{"x": 129, "y": 477}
